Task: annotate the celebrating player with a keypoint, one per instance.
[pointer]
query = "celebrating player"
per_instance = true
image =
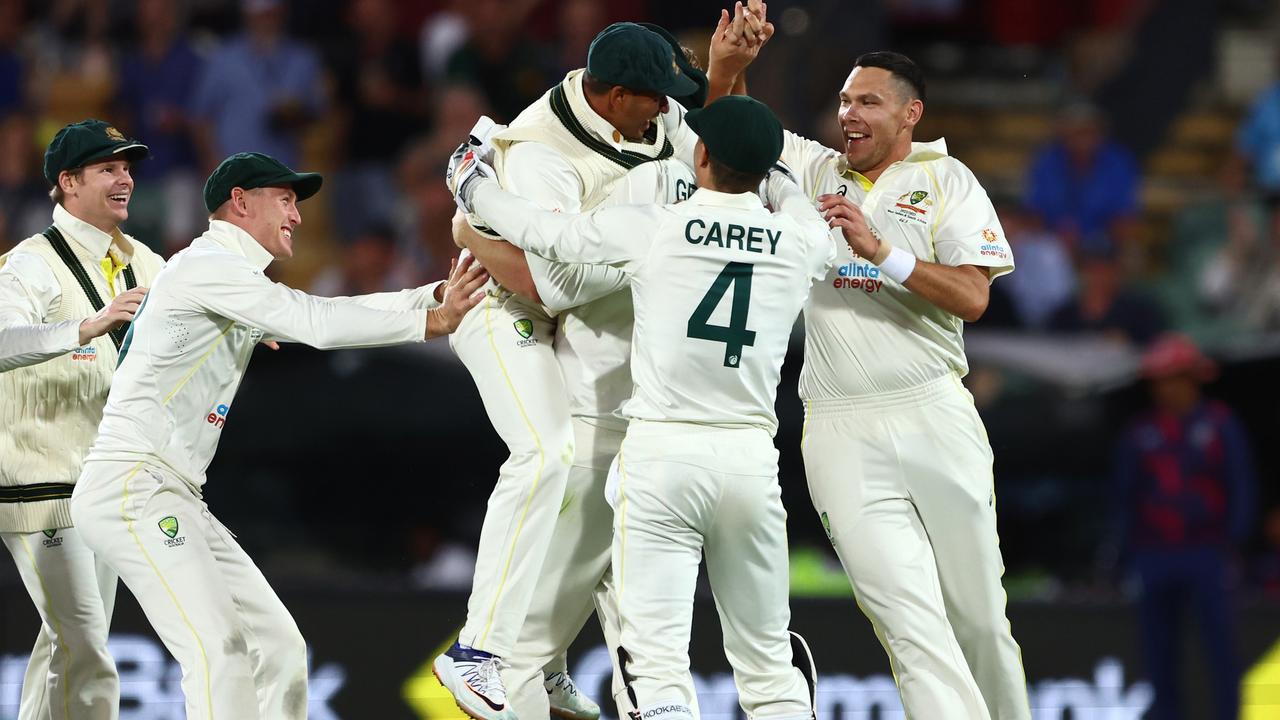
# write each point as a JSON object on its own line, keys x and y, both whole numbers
{"x": 717, "y": 282}
{"x": 565, "y": 152}
{"x": 898, "y": 462}
{"x": 66, "y": 296}
{"x": 138, "y": 503}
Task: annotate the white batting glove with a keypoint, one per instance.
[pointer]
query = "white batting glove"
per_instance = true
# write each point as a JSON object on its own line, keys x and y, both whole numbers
{"x": 465, "y": 173}
{"x": 778, "y": 181}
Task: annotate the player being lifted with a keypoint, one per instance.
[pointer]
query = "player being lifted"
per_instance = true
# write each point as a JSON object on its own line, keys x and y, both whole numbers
{"x": 717, "y": 282}
{"x": 898, "y": 462}
{"x": 565, "y": 152}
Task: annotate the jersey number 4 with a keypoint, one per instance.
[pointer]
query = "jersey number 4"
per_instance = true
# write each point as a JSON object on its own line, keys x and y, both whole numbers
{"x": 736, "y": 336}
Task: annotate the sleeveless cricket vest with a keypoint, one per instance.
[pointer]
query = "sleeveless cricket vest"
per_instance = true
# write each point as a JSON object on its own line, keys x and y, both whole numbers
{"x": 49, "y": 412}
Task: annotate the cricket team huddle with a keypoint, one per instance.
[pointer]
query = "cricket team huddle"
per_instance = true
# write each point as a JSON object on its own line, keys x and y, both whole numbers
{"x": 635, "y": 248}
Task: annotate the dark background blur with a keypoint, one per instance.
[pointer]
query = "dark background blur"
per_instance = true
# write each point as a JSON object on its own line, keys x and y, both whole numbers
{"x": 1132, "y": 148}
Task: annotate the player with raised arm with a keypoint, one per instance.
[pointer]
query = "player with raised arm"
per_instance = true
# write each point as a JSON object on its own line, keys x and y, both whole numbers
{"x": 717, "y": 282}
{"x": 897, "y": 459}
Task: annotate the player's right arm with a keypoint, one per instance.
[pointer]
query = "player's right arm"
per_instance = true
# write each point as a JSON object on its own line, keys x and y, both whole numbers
{"x": 605, "y": 236}
{"x": 228, "y": 286}
{"x": 29, "y": 294}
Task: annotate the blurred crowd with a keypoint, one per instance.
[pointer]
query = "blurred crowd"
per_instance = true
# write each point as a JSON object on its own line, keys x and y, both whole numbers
{"x": 377, "y": 93}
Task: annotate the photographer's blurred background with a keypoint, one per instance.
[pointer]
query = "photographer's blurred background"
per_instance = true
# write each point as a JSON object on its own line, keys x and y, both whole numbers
{"x": 1128, "y": 371}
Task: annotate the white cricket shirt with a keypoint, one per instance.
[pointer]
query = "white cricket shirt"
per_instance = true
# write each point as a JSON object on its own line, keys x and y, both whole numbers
{"x": 864, "y": 333}
{"x": 717, "y": 282}
{"x": 191, "y": 341}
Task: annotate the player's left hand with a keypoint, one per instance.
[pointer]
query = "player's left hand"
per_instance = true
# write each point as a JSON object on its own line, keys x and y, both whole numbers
{"x": 840, "y": 212}
{"x": 465, "y": 171}
{"x": 776, "y": 182}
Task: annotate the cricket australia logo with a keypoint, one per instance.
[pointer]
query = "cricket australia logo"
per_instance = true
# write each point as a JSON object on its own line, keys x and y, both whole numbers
{"x": 912, "y": 207}
{"x": 169, "y": 526}
{"x": 524, "y": 328}
{"x": 51, "y": 539}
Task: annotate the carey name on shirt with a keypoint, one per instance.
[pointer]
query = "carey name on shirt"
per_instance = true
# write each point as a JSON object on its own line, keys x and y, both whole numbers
{"x": 750, "y": 239}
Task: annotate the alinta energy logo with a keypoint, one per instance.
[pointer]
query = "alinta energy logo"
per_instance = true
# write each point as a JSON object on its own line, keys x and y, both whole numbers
{"x": 858, "y": 275}
{"x": 218, "y": 418}
{"x": 87, "y": 353}
{"x": 991, "y": 245}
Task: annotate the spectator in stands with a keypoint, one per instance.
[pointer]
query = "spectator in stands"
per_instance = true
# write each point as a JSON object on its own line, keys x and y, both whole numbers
{"x": 12, "y": 67}
{"x": 1104, "y": 304}
{"x": 72, "y": 67}
{"x": 500, "y": 58}
{"x": 369, "y": 264}
{"x": 24, "y": 200}
{"x": 156, "y": 82}
{"x": 1083, "y": 185}
{"x": 382, "y": 105}
{"x": 1185, "y": 486}
{"x": 442, "y": 34}
{"x": 1047, "y": 278}
{"x": 1258, "y": 141}
{"x": 1241, "y": 280}
{"x": 259, "y": 91}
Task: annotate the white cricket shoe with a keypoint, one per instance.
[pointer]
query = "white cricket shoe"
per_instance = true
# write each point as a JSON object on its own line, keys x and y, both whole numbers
{"x": 472, "y": 677}
{"x": 565, "y": 699}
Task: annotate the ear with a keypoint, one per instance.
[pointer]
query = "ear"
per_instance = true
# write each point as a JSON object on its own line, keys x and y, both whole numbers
{"x": 239, "y": 201}
{"x": 915, "y": 111}
{"x": 616, "y": 96}
{"x": 66, "y": 181}
{"x": 701, "y": 156}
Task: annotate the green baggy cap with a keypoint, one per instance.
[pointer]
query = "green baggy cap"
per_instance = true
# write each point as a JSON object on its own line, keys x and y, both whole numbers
{"x": 637, "y": 59}
{"x": 741, "y": 132}
{"x": 698, "y": 97}
{"x": 79, "y": 144}
{"x": 254, "y": 170}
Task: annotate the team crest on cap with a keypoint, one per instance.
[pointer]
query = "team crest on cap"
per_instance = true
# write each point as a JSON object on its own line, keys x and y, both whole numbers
{"x": 114, "y": 134}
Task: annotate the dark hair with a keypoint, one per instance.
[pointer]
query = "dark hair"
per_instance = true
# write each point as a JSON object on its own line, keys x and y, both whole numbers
{"x": 728, "y": 180}
{"x": 593, "y": 85}
{"x": 902, "y": 67}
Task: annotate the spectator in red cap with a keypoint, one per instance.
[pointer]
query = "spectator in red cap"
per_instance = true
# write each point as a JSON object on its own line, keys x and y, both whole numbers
{"x": 1185, "y": 478}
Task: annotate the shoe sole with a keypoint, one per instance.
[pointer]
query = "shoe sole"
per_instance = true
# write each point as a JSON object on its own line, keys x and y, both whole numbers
{"x": 466, "y": 710}
{"x": 566, "y": 715}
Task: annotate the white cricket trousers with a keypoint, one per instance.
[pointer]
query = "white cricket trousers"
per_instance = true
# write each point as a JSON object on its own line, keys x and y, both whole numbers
{"x": 70, "y": 675}
{"x": 903, "y": 483}
{"x": 575, "y": 577}
{"x": 242, "y": 655}
{"x": 506, "y": 344}
{"x": 681, "y": 491}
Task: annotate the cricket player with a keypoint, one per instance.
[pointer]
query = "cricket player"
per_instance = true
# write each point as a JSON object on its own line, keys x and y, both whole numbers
{"x": 138, "y": 502}
{"x": 593, "y": 347}
{"x": 565, "y": 152}
{"x": 898, "y": 462}
{"x": 66, "y": 296}
{"x": 717, "y": 282}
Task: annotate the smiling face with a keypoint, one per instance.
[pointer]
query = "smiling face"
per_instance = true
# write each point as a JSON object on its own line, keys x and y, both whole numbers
{"x": 270, "y": 215}
{"x": 635, "y": 110}
{"x": 878, "y": 115}
{"x": 99, "y": 192}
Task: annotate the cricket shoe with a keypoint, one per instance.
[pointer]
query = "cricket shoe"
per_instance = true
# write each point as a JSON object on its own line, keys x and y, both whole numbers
{"x": 565, "y": 699}
{"x": 472, "y": 677}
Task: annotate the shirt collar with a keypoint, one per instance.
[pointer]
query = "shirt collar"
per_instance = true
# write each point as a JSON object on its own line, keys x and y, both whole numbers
{"x": 235, "y": 239}
{"x": 99, "y": 244}
{"x": 920, "y": 152}
{"x": 742, "y": 201}
{"x": 592, "y": 119}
